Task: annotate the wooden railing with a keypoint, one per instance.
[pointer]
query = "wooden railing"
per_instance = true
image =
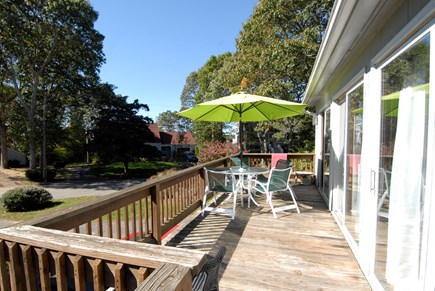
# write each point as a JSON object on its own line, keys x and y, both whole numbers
{"x": 141, "y": 213}
{"x": 302, "y": 162}
{"x": 33, "y": 258}
{"x": 147, "y": 211}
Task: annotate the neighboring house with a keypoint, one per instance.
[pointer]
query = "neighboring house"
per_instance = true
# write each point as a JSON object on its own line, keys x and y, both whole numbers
{"x": 373, "y": 89}
{"x": 16, "y": 158}
{"x": 172, "y": 144}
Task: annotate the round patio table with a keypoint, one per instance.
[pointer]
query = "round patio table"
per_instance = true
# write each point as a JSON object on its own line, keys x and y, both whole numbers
{"x": 245, "y": 176}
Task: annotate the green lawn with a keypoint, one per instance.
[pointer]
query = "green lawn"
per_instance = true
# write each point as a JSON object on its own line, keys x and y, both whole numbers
{"x": 56, "y": 205}
{"x": 137, "y": 169}
{"x": 109, "y": 171}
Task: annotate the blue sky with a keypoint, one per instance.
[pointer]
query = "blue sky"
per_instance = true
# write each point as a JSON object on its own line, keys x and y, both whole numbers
{"x": 152, "y": 46}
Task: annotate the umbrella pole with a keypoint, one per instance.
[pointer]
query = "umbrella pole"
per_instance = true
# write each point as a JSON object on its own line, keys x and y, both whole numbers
{"x": 240, "y": 140}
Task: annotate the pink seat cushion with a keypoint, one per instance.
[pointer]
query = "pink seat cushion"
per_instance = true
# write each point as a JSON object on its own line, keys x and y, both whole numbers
{"x": 276, "y": 157}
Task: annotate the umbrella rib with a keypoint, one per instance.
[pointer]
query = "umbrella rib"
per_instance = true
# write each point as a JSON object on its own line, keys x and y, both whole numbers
{"x": 208, "y": 112}
{"x": 276, "y": 105}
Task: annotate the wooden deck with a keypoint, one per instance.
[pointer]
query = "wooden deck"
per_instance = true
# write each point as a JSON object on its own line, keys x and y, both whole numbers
{"x": 303, "y": 251}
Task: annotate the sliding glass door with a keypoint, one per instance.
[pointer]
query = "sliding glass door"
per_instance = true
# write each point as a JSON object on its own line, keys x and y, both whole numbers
{"x": 402, "y": 167}
{"x": 354, "y": 138}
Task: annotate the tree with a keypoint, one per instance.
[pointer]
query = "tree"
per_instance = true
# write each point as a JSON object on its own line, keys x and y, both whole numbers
{"x": 119, "y": 133}
{"x": 276, "y": 50}
{"x": 168, "y": 120}
{"x": 210, "y": 131}
{"x": 190, "y": 90}
{"x": 7, "y": 99}
{"x": 278, "y": 46}
{"x": 45, "y": 44}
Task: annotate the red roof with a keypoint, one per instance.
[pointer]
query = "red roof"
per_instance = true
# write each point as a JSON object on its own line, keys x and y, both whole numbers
{"x": 156, "y": 132}
{"x": 170, "y": 137}
{"x": 188, "y": 138}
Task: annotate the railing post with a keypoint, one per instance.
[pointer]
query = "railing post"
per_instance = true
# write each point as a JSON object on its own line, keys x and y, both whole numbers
{"x": 201, "y": 185}
{"x": 156, "y": 214}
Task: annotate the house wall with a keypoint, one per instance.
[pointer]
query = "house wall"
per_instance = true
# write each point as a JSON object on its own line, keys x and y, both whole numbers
{"x": 14, "y": 155}
{"x": 371, "y": 49}
{"x": 390, "y": 29}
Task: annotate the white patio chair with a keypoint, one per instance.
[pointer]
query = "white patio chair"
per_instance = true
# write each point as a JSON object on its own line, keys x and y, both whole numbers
{"x": 219, "y": 180}
{"x": 385, "y": 190}
{"x": 279, "y": 164}
{"x": 278, "y": 180}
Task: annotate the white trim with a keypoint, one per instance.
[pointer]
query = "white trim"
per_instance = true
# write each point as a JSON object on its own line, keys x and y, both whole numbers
{"x": 369, "y": 168}
{"x": 346, "y": 147}
{"x": 428, "y": 238}
{"x": 326, "y": 196}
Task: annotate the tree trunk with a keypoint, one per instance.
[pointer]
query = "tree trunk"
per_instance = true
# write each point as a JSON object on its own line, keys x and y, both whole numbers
{"x": 44, "y": 140}
{"x": 4, "y": 148}
{"x": 32, "y": 145}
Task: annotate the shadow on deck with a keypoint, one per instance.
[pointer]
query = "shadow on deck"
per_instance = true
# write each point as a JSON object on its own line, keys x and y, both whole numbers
{"x": 303, "y": 251}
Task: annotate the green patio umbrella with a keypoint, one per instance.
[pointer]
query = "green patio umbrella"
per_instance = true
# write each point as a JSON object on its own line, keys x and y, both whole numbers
{"x": 242, "y": 107}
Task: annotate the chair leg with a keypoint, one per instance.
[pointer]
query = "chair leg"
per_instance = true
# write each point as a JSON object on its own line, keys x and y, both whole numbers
{"x": 292, "y": 193}
{"x": 290, "y": 186}
{"x": 283, "y": 208}
{"x": 235, "y": 194}
{"x": 250, "y": 195}
{"x": 204, "y": 202}
{"x": 214, "y": 199}
{"x": 269, "y": 199}
{"x": 241, "y": 196}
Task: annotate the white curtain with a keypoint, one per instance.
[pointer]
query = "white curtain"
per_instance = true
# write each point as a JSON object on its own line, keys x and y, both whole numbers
{"x": 404, "y": 229}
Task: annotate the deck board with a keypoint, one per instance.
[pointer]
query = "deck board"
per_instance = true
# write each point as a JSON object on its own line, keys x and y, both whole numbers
{"x": 303, "y": 251}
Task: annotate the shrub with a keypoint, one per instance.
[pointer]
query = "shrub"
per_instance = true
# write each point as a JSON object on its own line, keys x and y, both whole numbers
{"x": 36, "y": 175}
{"x": 59, "y": 165}
{"x": 214, "y": 150}
{"x": 26, "y": 199}
{"x": 14, "y": 164}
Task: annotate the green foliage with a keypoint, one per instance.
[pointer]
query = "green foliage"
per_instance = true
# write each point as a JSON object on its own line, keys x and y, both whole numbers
{"x": 36, "y": 175}
{"x": 210, "y": 131}
{"x": 58, "y": 157}
{"x": 119, "y": 132}
{"x": 278, "y": 46}
{"x": 276, "y": 50}
{"x": 214, "y": 150}
{"x": 168, "y": 121}
{"x": 54, "y": 206}
{"x": 72, "y": 147}
{"x": 53, "y": 53}
{"x": 26, "y": 199}
{"x": 7, "y": 100}
{"x": 143, "y": 169}
{"x": 59, "y": 164}
{"x": 190, "y": 90}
